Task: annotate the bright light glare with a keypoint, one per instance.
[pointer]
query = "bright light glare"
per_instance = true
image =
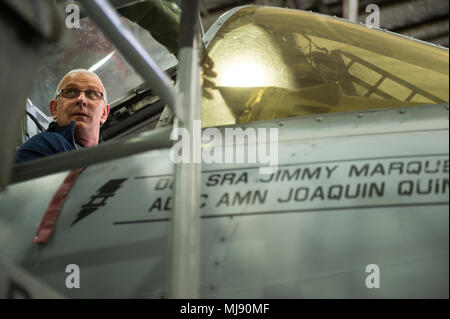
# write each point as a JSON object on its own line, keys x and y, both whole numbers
{"x": 244, "y": 74}
{"x": 101, "y": 62}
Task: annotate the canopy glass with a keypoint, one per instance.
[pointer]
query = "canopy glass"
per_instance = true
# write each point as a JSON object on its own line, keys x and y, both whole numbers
{"x": 274, "y": 63}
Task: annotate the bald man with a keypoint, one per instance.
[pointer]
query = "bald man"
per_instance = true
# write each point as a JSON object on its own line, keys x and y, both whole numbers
{"x": 79, "y": 108}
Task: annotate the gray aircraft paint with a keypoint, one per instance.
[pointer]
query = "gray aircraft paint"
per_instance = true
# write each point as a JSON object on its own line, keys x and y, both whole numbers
{"x": 259, "y": 247}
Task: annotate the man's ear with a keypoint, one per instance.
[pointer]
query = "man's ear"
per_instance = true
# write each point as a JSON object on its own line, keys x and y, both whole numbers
{"x": 53, "y": 108}
{"x": 104, "y": 114}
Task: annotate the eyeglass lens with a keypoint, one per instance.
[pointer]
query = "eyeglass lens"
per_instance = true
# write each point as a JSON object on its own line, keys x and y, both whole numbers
{"x": 72, "y": 93}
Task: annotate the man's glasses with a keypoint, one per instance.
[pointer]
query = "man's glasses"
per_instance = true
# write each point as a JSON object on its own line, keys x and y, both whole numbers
{"x": 74, "y": 93}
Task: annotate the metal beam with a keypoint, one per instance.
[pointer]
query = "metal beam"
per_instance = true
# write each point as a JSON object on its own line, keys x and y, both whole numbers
{"x": 350, "y": 10}
{"x": 107, "y": 151}
{"x": 428, "y": 31}
{"x": 443, "y": 40}
{"x": 107, "y": 19}
{"x": 220, "y": 4}
{"x": 405, "y": 14}
{"x": 26, "y": 27}
{"x": 17, "y": 283}
{"x": 184, "y": 235}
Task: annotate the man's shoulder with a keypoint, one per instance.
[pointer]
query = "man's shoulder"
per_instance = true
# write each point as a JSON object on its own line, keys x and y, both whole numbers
{"x": 43, "y": 144}
{"x": 48, "y": 138}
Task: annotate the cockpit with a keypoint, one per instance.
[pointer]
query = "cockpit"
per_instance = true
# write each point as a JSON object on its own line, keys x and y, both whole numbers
{"x": 274, "y": 63}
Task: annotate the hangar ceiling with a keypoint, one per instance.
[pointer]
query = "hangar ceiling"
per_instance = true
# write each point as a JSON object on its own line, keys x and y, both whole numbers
{"x": 422, "y": 19}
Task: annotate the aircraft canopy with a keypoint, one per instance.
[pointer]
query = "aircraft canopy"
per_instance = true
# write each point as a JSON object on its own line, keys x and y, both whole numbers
{"x": 274, "y": 63}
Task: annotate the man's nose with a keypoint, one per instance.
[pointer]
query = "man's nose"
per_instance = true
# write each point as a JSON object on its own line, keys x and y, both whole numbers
{"x": 82, "y": 99}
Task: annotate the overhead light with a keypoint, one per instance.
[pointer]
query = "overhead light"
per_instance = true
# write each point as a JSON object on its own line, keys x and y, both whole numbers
{"x": 101, "y": 62}
{"x": 244, "y": 73}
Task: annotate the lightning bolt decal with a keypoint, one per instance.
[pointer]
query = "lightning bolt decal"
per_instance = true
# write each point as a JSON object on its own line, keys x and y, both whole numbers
{"x": 99, "y": 199}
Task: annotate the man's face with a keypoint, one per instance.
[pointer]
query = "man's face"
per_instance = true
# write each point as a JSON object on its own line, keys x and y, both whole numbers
{"x": 87, "y": 113}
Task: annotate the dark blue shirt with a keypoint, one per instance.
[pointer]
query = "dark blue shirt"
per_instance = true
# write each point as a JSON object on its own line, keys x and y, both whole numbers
{"x": 56, "y": 139}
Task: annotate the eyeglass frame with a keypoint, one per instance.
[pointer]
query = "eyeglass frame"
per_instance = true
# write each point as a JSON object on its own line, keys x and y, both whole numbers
{"x": 102, "y": 95}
